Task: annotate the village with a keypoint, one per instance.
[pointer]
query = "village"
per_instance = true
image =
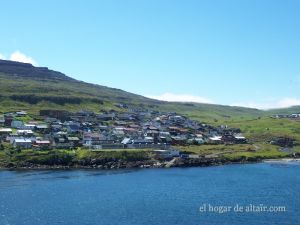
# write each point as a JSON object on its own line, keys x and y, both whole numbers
{"x": 112, "y": 130}
{"x": 289, "y": 116}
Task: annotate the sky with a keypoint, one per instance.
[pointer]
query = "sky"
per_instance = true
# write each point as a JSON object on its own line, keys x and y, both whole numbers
{"x": 231, "y": 52}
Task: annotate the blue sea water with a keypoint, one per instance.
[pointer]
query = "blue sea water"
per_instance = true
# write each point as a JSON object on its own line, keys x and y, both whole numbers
{"x": 151, "y": 196}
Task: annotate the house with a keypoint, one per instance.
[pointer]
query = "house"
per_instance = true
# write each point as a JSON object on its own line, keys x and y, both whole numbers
{"x": 41, "y": 127}
{"x": 164, "y": 134}
{"x": 91, "y": 139}
{"x": 21, "y": 113}
{"x": 56, "y": 126}
{"x": 74, "y": 141}
{"x": 215, "y": 140}
{"x": 22, "y": 143}
{"x": 228, "y": 139}
{"x": 28, "y": 126}
{"x": 295, "y": 115}
{"x": 122, "y": 106}
{"x": 72, "y": 127}
{"x": 119, "y": 131}
{"x": 42, "y": 144}
{"x": 142, "y": 141}
{"x": 103, "y": 128}
{"x": 152, "y": 133}
{"x": 62, "y": 142}
{"x": 16, "y": 124}
{"x": 279, "y": 116}
{"x": 60, "y": 139}
{"x": 165, "y": 154}
{"x": 174, "y": 130}
{"x": 126, "y": 141}
{"x": 134, "y": 126}
{"x": 11, "y": 137}
{"x": 8, "y": 117}
{"x": 196, "y": 140}
{"x": 139, "y": 143}
{"x": 61, "y": 133}
{"x": 4, "y": 132}
{"x": 2, "y": 120}
{"x": 240, "y": 139}
{"x": 179, "y": 140}
{"x": 27, "y": 133}
{"x": 130, "y": 131}
{"x": 164, "y": 139}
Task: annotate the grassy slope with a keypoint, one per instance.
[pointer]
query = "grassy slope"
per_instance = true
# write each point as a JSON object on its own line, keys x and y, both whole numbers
{"x": 290, "y": 110}
{"x": 43, "y": 87}
{"x": 256, "y": 124}
{"x": 18, "y": 85}
{"x": 244, "y": 118}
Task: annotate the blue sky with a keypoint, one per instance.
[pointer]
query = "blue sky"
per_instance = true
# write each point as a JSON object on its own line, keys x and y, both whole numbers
{"x": 233, "y": 52}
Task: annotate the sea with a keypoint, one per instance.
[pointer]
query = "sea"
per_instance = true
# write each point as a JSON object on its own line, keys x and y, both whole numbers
{"x": 241, "y": 194}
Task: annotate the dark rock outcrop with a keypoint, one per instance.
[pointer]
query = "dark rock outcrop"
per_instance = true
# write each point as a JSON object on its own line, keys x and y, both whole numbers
{"x": 28, "y": 70}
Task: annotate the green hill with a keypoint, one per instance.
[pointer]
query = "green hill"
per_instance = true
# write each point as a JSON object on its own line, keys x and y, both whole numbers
{"x": 30, "y": 88}
{"x": 25, "y": 87}
{"x": 290, "y": 110}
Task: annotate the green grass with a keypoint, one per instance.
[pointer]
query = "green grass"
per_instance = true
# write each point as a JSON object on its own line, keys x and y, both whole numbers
{"x": 210, "y": 149}
{"x": 66, "y": 89}
{"x": 68, "y": 157}
{"x": 261, "y": 150}
{"x": 266, "y": 128}
{"x": 83, "y": 157}
{"x": 263, "y": 154}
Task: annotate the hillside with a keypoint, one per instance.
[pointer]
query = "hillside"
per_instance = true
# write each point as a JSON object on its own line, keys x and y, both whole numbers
{"x": 290, "y": 110}
{"x": 30, "y": 88}
{"x": 25, "y": 87}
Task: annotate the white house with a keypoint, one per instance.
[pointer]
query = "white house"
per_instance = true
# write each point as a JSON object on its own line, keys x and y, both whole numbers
{"x": 28, "y": 126}
{"x": 21, "y": 113}
{"x": 215, "y": 139}
{"x": 5, "y": 131}
{"x": 25, "y": 132}
{"x": 22, "y": 143}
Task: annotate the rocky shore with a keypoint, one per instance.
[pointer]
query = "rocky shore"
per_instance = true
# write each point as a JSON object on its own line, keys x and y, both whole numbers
{"x": 122, "y": 164}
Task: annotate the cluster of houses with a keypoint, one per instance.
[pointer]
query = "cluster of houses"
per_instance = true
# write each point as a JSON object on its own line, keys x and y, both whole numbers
{"x": 290, "y": 116}
{"x": 110, "y": 130}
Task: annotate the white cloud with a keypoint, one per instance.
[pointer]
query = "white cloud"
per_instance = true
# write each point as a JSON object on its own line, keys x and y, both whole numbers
{"x": 21, "y": 57}
{"x": 2, "y": 56}
{"x": 287, "y": 102}
{"x": 264, "y": 105}
{"x": 280, "y": 103}
{"x": 170, "y": 97}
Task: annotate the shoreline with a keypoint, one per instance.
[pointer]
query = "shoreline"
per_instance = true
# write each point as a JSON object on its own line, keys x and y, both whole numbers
{"x": 150, "y": 164}
{"x": 161, "y": 165}
{"x": 282, "y": 160}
